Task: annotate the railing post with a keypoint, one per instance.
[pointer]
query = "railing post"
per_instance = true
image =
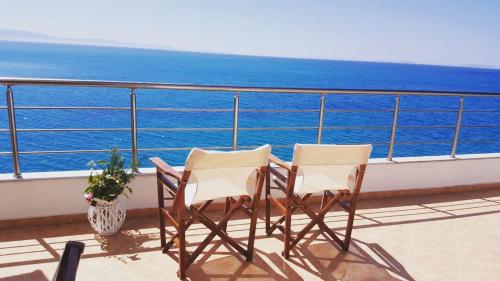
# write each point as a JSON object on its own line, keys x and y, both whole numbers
{"x": 13, "y": 131}
{"x": 320, "y": 119}
{"x": 235, "y": 120}
{"x": 457, "y": 128}
{"x": 133, "y": 125}
{"x": 393, "y": 130}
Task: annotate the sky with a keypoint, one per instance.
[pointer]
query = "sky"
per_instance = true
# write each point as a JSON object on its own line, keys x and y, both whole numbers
{"x": 464, "y": 33}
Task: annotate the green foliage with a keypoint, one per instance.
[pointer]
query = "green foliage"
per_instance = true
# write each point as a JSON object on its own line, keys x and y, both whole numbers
{"x": 113, "y": 181}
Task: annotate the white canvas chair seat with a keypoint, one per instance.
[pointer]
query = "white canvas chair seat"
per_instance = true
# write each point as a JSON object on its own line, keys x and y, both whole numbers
{"x": 327, "y": 167}
{"x": 229, "y": 182}
{"x": 218, "y": 174}
{"x": 313, "y": 179}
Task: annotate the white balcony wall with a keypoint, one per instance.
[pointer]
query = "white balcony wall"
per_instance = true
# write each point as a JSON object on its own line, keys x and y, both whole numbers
{"x": 61, "y": 193}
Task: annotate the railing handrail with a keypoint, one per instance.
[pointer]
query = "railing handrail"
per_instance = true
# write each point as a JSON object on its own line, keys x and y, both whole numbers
{"x": 15, "y": 81}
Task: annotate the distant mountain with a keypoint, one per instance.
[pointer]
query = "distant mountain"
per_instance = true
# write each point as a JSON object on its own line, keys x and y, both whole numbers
{"x": 28, "y": 36}
{"x": 487, "y": 66}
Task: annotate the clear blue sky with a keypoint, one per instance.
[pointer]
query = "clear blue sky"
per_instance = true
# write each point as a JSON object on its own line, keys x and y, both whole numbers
{"x": 430, "y": 32}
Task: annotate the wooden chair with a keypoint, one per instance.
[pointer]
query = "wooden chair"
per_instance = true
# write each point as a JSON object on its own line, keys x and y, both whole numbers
{"x": 335, "y": 170}
{"x": 237, "y": 176}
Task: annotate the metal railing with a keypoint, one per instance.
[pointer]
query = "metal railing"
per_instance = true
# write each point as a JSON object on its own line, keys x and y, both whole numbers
{"x": 9, "y": 83}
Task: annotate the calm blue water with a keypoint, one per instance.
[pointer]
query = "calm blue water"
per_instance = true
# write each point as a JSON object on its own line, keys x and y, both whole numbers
{"x": 102, "y": 63}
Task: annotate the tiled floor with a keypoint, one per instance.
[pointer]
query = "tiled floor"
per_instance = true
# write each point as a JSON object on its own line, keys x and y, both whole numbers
{"x": 441, "y": 237}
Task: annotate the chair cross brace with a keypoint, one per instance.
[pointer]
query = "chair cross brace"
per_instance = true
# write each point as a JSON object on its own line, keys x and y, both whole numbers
{"x": 217, "y": 230}
{"x": 276, "y": 224}
{"x": 188, "y": 224}
{"x": 316, "y": 218}
{"x": 343, "y": 197}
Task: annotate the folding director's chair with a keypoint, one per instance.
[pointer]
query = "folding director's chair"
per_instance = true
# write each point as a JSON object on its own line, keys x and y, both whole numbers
{"x": 335, "y": 170}
{"x": 238, "y": 176}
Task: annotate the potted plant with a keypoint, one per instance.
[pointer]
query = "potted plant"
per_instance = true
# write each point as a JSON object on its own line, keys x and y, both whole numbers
{"x": 107, "y": 212}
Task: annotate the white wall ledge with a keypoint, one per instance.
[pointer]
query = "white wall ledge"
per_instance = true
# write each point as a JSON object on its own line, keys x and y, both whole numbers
{"x": 149, "y": 171}
{"x": 61, "y": 193}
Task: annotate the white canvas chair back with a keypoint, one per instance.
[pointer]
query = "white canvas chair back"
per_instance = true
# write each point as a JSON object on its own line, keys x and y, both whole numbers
{"x": 218, "y": 174}
{"x": 328, "y": 167}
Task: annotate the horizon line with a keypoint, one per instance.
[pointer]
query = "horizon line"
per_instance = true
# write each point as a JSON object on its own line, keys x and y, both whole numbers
{"x": 158, "y": 48}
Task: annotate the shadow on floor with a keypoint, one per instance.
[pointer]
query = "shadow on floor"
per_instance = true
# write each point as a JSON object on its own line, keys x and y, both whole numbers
{"x": 234, "y": 267}
{"x": 323, "y": 261}
{"x": 128, "y": 242}
{"x": 36, "y": 275}
{"x": 44, "y": 244}
{"x": 327, "y": 261}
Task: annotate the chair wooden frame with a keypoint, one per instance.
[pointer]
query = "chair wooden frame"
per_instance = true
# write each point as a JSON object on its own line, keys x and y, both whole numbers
{"x": 343, "y": 197}
{"x": 182, "y": 217}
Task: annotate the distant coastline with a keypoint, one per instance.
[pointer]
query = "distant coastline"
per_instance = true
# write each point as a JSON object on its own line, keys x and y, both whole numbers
{"x": 20, "y": 36}
{"x": 246, "y": 55}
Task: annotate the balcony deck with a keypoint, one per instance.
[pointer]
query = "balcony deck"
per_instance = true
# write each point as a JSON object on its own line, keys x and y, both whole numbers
{"x": 453, "y": 236}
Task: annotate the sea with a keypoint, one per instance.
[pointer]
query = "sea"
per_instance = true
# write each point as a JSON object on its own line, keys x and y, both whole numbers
{"x": 426, "y": 125}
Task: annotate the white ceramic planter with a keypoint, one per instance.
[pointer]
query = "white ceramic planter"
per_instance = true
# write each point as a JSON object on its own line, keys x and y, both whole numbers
{"x": 107, "y": 217}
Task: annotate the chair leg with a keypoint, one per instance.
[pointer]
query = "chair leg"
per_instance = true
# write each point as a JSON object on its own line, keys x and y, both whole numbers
{"x": 162, "y": 218}
{"x": 227, "y": 206}
{"x": 253, "y": 226}
{"x": 268, "y": 204}
{"x": 182, "y": 251}
{"x": 324, "y": 200}
{"x": 163, "y": 237}
{"x": 288, "y": 228}
{"x": 262, "y": 179}
{"x": 348, "y": 231}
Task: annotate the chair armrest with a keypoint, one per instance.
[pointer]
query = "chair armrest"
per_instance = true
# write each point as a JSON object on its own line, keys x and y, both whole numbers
{"x": 165, "y": 168}
{"x": 279, "y": 162}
